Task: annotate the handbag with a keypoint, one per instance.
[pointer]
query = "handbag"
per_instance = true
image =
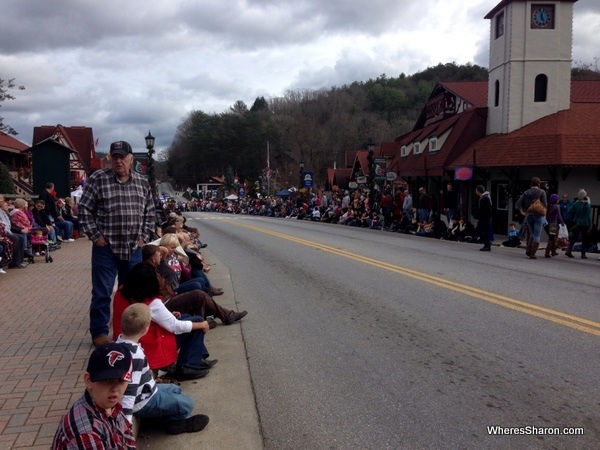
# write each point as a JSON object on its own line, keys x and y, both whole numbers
{"x": 537, "y": 207}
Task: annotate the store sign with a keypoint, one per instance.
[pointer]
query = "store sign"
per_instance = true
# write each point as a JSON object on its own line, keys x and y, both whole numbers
{"x": 307, "y": 179}
{"x": 463, "y": 173}
{"x": 361, "y": 180}
{"x": 380, "y": 168}
{"x": 391, "y": 176}
{"x": 140, "y": 163}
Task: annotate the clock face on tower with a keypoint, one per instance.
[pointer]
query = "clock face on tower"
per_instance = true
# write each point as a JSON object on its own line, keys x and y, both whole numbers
{"x": 542, "y": 16}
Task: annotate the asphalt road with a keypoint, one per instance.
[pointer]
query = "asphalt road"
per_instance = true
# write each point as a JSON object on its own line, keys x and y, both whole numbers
{"x": 366, "y": 339}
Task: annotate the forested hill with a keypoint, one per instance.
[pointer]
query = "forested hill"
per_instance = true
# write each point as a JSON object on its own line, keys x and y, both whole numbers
{"x": 315, "y": 127}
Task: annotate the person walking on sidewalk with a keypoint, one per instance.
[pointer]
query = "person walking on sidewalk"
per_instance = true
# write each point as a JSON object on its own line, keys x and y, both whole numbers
{"x": 580, "y": 212}
{"x": 116, "y": 211}
{"x": 533, "y": 204}
{"x": 484, "y": 223}
{"x": 554, "y": 219}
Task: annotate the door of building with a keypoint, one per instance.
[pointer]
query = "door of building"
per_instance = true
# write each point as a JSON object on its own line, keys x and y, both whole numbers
{"x": 500, "y": 206}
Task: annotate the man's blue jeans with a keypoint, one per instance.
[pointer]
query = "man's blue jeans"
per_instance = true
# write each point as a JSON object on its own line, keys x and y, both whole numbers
{"x": 424, "y": 215}
{"x": 191, "y": 345}
{"x": 191, "y": 285}
{"x": 201, "y": 277}
{"x": 534, "y": 224}
{"x": 168, "y": 403}
{"x": 105, "y": 268}
{"x": 66, "y": 228}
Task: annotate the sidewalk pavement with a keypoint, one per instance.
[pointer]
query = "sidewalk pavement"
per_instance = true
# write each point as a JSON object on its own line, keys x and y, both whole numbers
{"x": 45, "y": 345}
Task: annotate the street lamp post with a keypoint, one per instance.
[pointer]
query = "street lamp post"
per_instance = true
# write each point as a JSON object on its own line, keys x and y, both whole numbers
{"x": 301, "y": 175}
{"x": 150, "y": 165}
{"x": 370, "y": 159}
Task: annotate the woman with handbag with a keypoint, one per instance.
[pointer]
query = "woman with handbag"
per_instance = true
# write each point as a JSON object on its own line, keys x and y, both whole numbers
{"x": 580, "y": 213}
{"x": 533, "y": 205}
{"x": 554, "y": 218}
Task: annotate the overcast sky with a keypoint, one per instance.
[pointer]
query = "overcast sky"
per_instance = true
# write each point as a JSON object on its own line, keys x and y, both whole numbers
{"x": 127, "y": 67}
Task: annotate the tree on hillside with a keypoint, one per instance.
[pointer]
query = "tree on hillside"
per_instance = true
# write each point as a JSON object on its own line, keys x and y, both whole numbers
{"x": 6, "y": 182}
{"x": 5, "y": 86}
{"x": 586, "y": 71}
{"x": 312, "y": 126}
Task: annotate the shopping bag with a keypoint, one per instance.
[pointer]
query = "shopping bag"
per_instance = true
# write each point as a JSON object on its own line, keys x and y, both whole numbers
{"x": 563, "y": 232}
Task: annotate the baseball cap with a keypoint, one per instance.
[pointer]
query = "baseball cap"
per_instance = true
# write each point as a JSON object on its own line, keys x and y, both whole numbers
{"x": 120, "y": 148}
{"x": 110, "y": 361}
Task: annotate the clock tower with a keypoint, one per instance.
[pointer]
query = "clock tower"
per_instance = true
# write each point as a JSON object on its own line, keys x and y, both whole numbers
{"x": 530, "y": 62}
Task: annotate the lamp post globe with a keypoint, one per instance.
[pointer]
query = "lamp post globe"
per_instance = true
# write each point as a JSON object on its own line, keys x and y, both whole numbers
{"x": 149, "y": 140}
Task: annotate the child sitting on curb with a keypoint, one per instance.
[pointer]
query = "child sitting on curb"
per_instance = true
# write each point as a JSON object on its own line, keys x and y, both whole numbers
{"x": 96, "y": 419}
{"x": 513, "y": 237}
{"x": 145, "y": 398}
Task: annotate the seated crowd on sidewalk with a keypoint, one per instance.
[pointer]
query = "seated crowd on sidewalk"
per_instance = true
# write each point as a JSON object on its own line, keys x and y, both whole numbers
{"x": 33, "y": 228}
{"x": 161, "y": 314}
{"x": 399, "y": 213}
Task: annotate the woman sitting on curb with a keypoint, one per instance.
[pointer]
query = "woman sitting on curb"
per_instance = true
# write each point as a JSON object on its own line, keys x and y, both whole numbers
{"x": 170, "y": 339}
{"x": 195, "y": 302}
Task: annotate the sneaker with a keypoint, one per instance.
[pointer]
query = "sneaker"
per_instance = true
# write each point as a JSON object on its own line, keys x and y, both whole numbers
{"x": 190, "y": 425}
{"x": 42, "y": 253}
{"x": 70, "y": 240}
{"x": 59, "y": 239}
{"x": 2, "y": 270}
{"x": 37, "y": 253}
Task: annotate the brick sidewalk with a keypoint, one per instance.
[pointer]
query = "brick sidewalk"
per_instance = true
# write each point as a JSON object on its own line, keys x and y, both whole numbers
{"x": 44, "y": 344}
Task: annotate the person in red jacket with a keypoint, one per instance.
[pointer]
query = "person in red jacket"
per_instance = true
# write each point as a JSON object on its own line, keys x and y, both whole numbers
{"x": 167, "y": 333}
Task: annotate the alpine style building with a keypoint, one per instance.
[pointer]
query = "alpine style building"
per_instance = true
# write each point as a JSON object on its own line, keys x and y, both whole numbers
{"x": 529, "y": 119}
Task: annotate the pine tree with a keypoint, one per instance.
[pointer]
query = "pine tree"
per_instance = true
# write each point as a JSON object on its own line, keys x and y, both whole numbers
{"x": 6, "y": 182}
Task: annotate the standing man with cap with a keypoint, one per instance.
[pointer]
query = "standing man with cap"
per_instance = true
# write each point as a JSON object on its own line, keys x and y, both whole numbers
{"x": 96, "y": 419}
{"x": 116, "y": 211}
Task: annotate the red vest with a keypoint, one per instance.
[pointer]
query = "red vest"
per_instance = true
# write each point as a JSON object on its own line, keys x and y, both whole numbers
{"x": 160, "y": 345}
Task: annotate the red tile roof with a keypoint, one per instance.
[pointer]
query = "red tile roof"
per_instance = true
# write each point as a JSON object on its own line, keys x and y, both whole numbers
{"x": 475, "y": 92}
{"x": 464, "y": 129}
{"x": 350, "y": 157}
{"x": 338, "y": 177}
{"x": 79, "y": 138}
{"x": 10, "y": 144}
{"x": 585, "y": 91}
{"x": 389, "y": 149}
{"x": 567, "y": 138}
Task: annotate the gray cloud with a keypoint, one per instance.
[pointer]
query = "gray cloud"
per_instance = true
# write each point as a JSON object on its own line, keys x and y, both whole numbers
{"x": 126, "y": 67}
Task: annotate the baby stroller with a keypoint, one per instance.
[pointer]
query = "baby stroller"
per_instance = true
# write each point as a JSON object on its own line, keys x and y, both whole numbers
{"x": 40, "y": 245}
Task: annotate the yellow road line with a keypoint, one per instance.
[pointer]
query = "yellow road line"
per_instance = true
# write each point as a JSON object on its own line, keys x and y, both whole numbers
{"x": 577, "y": 323}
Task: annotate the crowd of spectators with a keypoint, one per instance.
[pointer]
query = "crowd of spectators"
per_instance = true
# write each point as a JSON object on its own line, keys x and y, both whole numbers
{"x": 399, "y": 213}
{"x": 35, "y": 227}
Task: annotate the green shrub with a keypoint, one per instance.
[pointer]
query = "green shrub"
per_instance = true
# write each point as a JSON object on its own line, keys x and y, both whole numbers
{"x": 6, "y": 182}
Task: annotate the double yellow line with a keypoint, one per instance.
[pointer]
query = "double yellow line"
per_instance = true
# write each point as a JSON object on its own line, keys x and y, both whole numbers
{"x": 577, "y": 323}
